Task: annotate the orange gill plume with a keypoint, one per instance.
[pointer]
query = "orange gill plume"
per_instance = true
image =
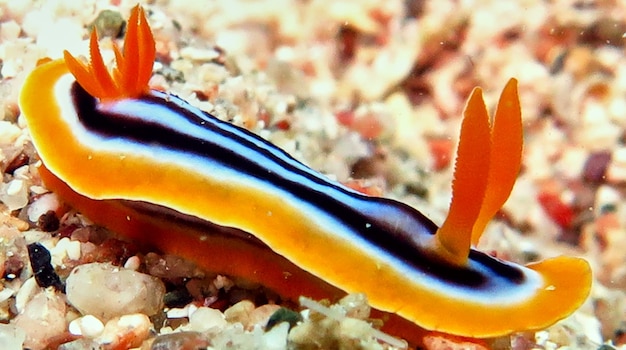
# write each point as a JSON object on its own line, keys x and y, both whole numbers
{"x": 133, "y": 67}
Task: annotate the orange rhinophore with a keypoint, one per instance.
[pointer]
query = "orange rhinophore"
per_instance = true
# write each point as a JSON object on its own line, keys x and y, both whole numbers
{"x": 488, "y": 160}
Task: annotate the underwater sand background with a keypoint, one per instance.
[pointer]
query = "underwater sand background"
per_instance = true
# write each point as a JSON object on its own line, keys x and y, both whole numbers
{"x": 370, "y": 93}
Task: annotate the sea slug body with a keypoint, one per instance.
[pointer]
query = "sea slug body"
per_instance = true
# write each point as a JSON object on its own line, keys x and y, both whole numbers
{"x": 137, "y": 160}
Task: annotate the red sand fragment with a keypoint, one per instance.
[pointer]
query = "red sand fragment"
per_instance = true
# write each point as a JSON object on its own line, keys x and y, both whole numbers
{"x": 556, "y": 209}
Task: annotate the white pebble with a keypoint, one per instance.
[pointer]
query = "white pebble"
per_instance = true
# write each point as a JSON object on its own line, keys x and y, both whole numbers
{"x": 133, "y": 329}
{"x": 5, "y": 294}
{"x": 597, "y": 132}
{"x": 15, "y": 187}
{"x": 133, "y": 321}
{"x": 9, "y": 30}
{"x": 572, "y": 162}
{"x": 178, "y": 312}
{"x": 75, "y": 327}
{"x": 206, "y": 318}
{"x": 14, "y": 194}
{"x": 356, "y": 305}
{"x": 11, "y": 337}
{"x": 607, "y": 195}
{"x": 222, "y": 282}
{"x": 10, "y": 69}
{"x": 43, "y": 319}
{"x": 65, "y": 248}
{"x": 616, "y": 171}
{"x": 617, "y": 109}
{"x": 107, "y": 291}
{"x": 35, "y": 189}
{"x": 542, "y": 337}
{"x": 9, "y": 132}
{"x": 42, "y": 205}
{"x": 22, "y": 173}
{"x": 276, "y": 338}
{"x": 587, "y": 324}
{"x": 353, "y": 328}
{"x": 197, "y": 54}
{"x": 26, "y": 292}
{"x": 88, "y": 326}
{"x": 67, "y": 34}
{"x": 133, "y": 263}
{"x": 73, "y": 250}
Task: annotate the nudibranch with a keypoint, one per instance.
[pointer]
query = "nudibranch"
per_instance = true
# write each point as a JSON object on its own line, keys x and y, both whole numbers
{"x": 149, "y": 165}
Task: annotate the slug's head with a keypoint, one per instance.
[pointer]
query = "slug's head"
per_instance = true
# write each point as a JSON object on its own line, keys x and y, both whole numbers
{"x": 133, "y": 66}
{"x": 488, "y": 161}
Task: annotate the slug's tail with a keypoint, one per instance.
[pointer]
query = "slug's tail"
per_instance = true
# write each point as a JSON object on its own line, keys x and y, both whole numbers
{"x": 134, "y": 66}
{"x": 488, "y": 161}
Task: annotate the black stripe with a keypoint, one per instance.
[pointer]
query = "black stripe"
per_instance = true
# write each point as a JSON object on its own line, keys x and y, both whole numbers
{"x": 189, "y": 222}
{"x": 393, "y": 226}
